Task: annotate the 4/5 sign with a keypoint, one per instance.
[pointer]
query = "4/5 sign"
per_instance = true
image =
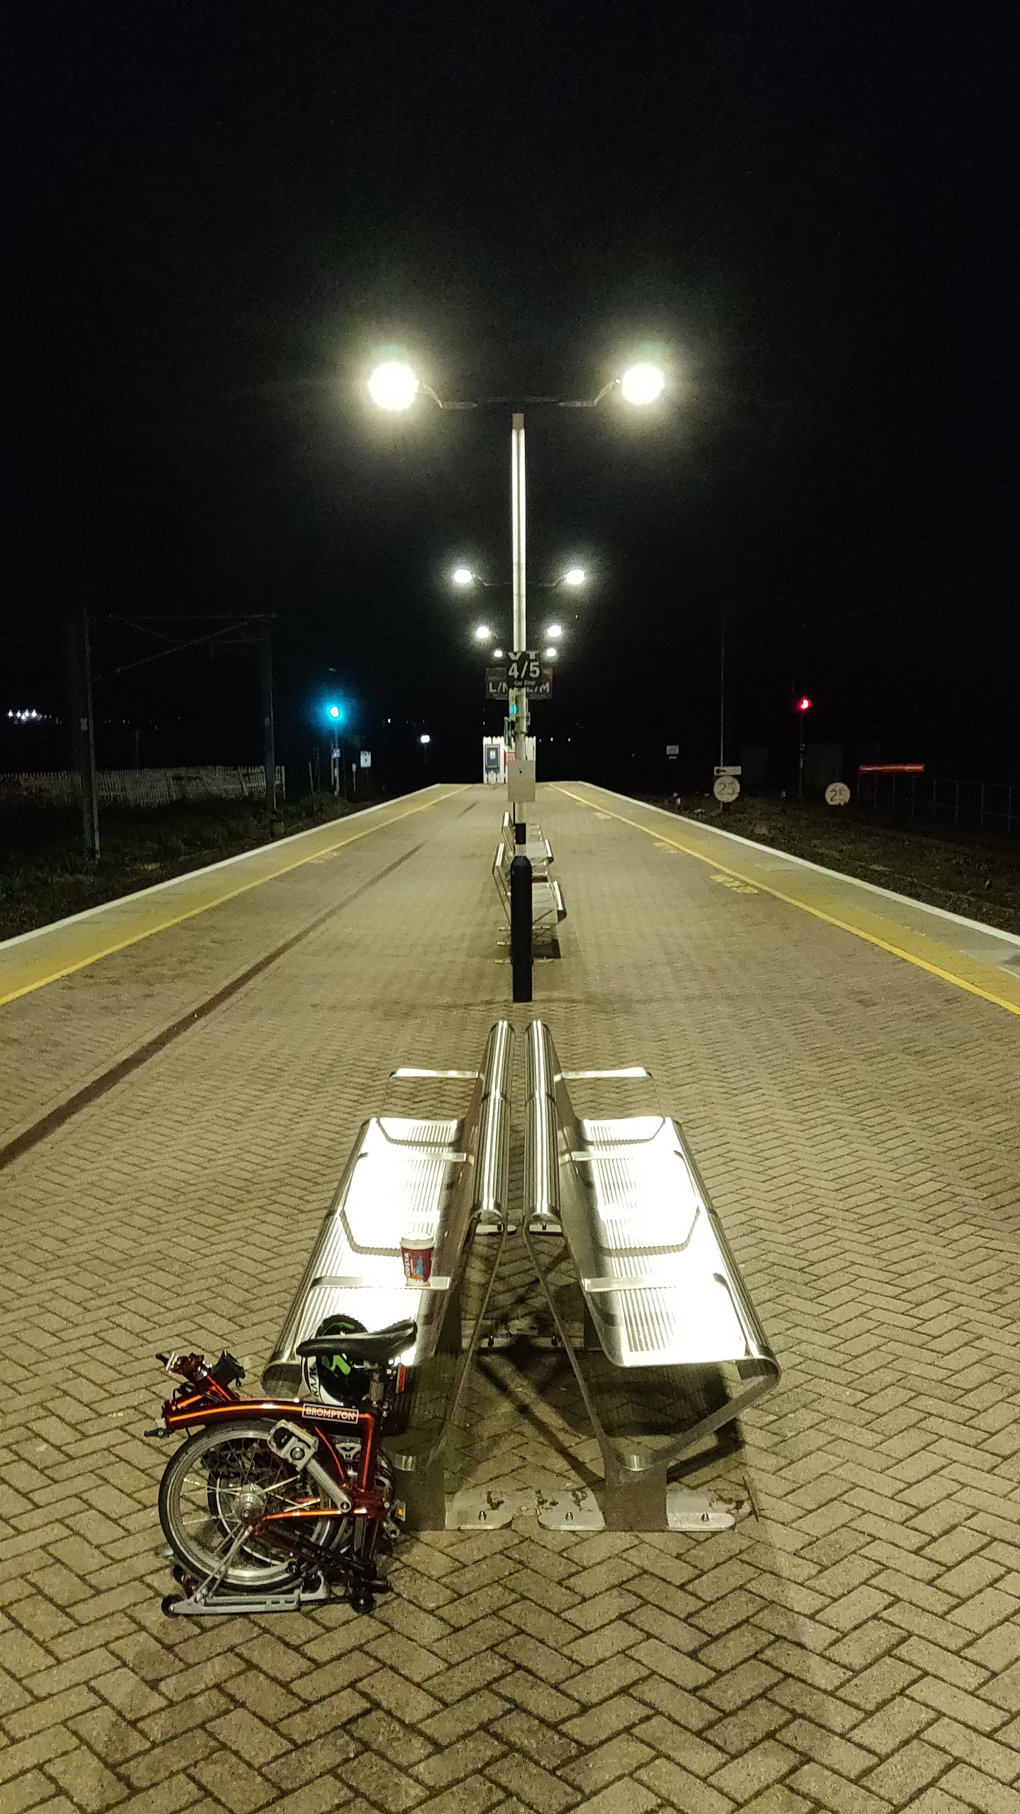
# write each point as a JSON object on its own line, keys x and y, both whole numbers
{"x": 524, "y": 668}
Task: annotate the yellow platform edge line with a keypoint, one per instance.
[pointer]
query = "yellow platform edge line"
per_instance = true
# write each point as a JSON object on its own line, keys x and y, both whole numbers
{"x": 790, "y": 900}
{"x": 229, "y": 895}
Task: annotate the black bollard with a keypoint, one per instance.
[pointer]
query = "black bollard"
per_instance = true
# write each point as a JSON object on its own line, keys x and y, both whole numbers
{"x": 520, "y": 927}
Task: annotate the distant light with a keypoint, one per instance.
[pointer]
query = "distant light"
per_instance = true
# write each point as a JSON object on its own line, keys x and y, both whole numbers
{"x": 549, "y": 653}
{"x": 554, "y": 630}
{"x": 642, "y": 383}
{"x": 425, "y": 738}
{"x": 498, "y": 653}
{"x": 334, "y": 711}
{"x": 462, "y": 576}
{"x": 28, "y": 716}
{"x": 574, "y": 576}
{"x": 393, "y": 385}
{"x": 483, "y": 633}
{"x": 804, "y": 705}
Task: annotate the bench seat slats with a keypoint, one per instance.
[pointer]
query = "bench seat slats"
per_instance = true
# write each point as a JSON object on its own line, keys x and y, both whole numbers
{"x": 405, "y": 1177}
{"x": 658, "y": 1284}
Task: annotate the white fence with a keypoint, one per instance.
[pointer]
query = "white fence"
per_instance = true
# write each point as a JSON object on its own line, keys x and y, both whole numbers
{"x": 143, "y": 786}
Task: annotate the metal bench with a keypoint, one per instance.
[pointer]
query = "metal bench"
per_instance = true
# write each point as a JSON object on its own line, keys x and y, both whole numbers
{"x": 412, "y": 1176}
{"x": 664, "y": 1302}
{"x": 547, "y": 908}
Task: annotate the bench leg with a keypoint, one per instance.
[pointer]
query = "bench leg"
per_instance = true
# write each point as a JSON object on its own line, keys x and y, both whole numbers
{"x": 633, "y": 1499}
{"x": 422, "y": 1491}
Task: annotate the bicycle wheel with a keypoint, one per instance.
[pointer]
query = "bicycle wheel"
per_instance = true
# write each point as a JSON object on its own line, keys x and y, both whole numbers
{"x": 216, "y": 1483}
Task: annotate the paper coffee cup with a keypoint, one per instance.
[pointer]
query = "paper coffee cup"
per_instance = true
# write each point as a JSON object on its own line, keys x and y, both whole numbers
{"x": 416, "y": 1252}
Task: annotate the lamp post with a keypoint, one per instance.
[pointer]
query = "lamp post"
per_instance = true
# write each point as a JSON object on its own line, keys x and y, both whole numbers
{"x": 573, "y": 577}
{"x": 394, "y": 386}
{"x": 518, "y": 531}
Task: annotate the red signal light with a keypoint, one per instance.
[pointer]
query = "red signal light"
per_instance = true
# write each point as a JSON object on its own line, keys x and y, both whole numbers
{"x": 804, "y": 705}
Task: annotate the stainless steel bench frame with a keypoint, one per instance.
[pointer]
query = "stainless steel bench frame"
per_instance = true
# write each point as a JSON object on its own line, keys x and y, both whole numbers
{"x": 547, "y": 908}
{"x": 560, "y": 1198}
{"x": 474, "y": 1156}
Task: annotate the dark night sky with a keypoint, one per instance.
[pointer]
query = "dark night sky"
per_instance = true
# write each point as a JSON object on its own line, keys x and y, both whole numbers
{"x": 217, "y": 210}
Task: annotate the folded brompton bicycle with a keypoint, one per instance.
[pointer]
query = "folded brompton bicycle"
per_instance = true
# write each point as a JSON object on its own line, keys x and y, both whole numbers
{"x": 270, "y": 1504}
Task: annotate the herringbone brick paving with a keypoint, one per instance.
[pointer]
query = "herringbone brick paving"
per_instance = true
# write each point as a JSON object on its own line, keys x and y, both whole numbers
{"x": 856, "y": 1646}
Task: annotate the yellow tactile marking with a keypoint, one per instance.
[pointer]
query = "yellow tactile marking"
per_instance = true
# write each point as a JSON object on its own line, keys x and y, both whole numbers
{"x": 36, "y": 975}
{"x": 830, "y": 919}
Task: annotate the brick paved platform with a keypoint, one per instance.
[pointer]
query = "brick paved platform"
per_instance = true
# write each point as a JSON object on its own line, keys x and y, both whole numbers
{"x": 855, "y": 1647}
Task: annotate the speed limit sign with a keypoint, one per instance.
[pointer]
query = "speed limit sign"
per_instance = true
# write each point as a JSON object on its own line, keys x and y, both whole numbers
{"x": 726, "y": 788}
{"x": 837, "y": 794}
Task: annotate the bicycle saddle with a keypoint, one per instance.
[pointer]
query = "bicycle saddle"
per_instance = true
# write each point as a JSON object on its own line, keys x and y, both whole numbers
{"x": 375, "y": 1345}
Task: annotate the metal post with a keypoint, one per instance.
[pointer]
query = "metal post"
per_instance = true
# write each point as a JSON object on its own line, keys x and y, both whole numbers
{"x": 800, "y": 763}
{"x": 518, "y": 512}
{"x": 80, "y": 671}
{"x": 268, "y": 735}
{"x": 520, "y": 927}
{"x": 722, "y": 693}
{"x": 518, "y": 701}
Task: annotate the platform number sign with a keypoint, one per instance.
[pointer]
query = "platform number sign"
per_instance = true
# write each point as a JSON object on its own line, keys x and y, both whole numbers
{"x": 524, "y": 668}
{"x": 522, "y": 673}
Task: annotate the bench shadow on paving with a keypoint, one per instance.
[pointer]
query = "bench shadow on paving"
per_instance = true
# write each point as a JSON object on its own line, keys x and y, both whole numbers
{"x": 522, "y": 1422}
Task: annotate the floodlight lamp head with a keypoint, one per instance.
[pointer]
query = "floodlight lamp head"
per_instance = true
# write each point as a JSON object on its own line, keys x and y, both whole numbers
{"x": 574, "y": 576}
{"x": 462, "y": 576}
{"x": 393, "y": 385}
{"x": 642, "y": 383}
{"x": 483, "y": 633}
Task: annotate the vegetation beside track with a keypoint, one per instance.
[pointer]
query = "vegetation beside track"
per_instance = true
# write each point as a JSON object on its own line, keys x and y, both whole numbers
{"x": 964, "y": 872}
{"x": 45, "y": 875}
